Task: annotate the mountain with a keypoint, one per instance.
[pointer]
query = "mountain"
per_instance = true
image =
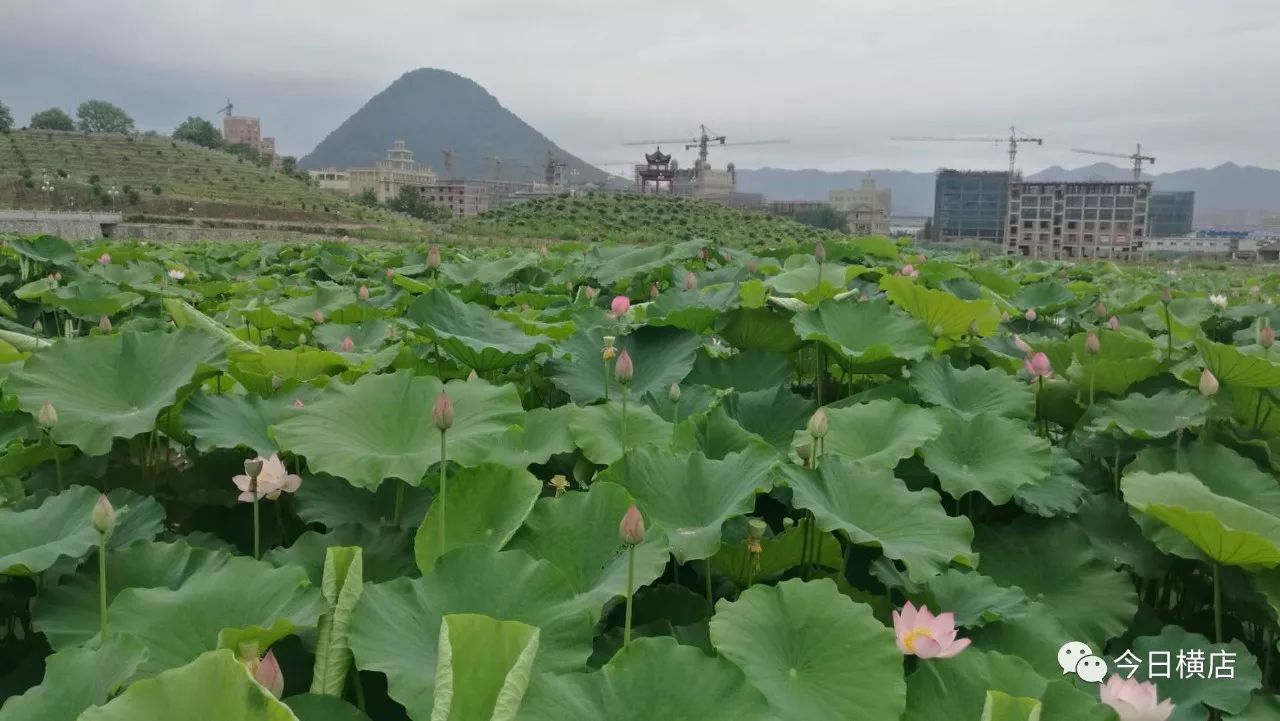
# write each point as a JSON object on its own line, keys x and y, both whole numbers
{"x": 1229, "y": 190}
{"x": 432, "y": 110}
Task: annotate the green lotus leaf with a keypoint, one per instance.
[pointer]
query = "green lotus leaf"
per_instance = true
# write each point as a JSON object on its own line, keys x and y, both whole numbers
{"x": 778, "y": 554}
{"x": 1117, "y": 539}
{"x": 578, "y": 534}
{"x": 1148, "y": 417}
{"x": 46, "y": 249}
{"x": 328, "y": 299}
{"x": 1046, "y": 296}
{"x": 1192, "y": 694}
{"x": 650, "y": 679}
{"x": 941, "y": 312}
{"x": 260, "y": 370}
{"x": 91, "y": 298}
{"x": 365, "y": 337}
{"x": 1000, "y": 706}
{"x": 1221, "y": 469}
{"x": 774, "y": 414}
{"x": 692, "y": 497}
{"x": 111, "y": 386}
{"x": 76, "y": 679}
{"x": 1262, "y": 707}
{"x": 660, "y": 356}
{"x": 22, "y": 342}
{"x": 184, "y": 315}
{"x": 867, "y": 337}
{"x": 988, "y": 454}
{"x": 544, "y": 433}
{"x": 213, "y": 686}
{"x": 350, "y": 431}
{"x": 713, "y": 433}
{"x": 33, "y": 539}
{"x": 1057, "y": 495}
{"x": 746, "y": 371}
{"x": 804, "y": 275}
{"x": 760, "y": 329}
{"x": 317, "y": 707}
{"x": 1234, "y": 367}
{"x": 975, "y": 599}
{"x": 796, "y": 642}
{"x": 971, "y": 391}
{"x": 1053, "y": 562}
{"x": 878, "y": 433}
{"x": 484, "y": 667}
{"x": 1226, "y": 530}
{"x": 235, "y": 421}
{"x": 694, "y": 311}
{"x": 1123, "y": 359}
{"x": 386, "y": 552}
{"x": 342, "y": 584}
{"x": 484, "y": 507}
{"x": 1186, "y": 315}
{"x": 396, "y": 626}
{"x": 471, "y": 333}
{"x": 333, "y": 502}
{"x": 597, "y": 430}
{"x": 261, "y": 316}
{"x": 872, "y": 508}
{"x": 488, "y": 273}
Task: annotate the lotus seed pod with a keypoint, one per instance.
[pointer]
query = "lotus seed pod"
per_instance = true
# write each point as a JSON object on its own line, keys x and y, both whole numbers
{"x": 1208, "y": 383}
{"x": 820, "y": 253}
{"x": 620, "y": 305}
{"x": 104, "y": 323}
{"x": 442, "y": 412}
{"x": 559, "y": 484}
{"x": 623, "y": 370}
{"x": 1092, "y": 344}
{"x": 673, "y": 392}
{"x": 608, "y": 340}
{"x": 269, "y": 675}
{"x": 253, "y": 467}
{"x": 363, "y": 293}
{"x": 631, "y": 529}
{"x": 756, "y": 528}
{"x": 348, "y": 345}
{"x": 818, "y": 424}
{"x": 103, "y": 515}
{"x": 433, "y": 257}
{"x": 1030, "y": 315}
{"x": 1267, "y": 336}
{"x": 47, "y": 417}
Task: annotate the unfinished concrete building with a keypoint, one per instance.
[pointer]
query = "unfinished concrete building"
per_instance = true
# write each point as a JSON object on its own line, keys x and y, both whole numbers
{"x": 1076, "y": 220}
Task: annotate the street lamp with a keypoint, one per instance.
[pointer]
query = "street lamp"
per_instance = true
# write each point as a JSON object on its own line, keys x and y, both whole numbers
{"x": 47, "y": 188}
{"x": 113, "y": 194}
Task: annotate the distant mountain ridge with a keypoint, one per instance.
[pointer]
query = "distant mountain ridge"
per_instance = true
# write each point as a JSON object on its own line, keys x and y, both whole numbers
{"x": 1224, "y": 189}
{"x": 432, "y": 110}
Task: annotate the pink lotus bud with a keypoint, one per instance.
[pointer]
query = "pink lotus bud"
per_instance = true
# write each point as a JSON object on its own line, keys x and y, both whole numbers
{"x": 1267, "y": 336}
{"x": 702, "y": 254}
{"x": 653, "y": 291}
{"x": 442, "y": 412}
{"x": 752, "y": 266}
{"x": 590, "y": 293}
{"x": 47, "y": 417}
{"x": 1113, "y": 323}
{"x": 348, "y": 345}
{"x": 631, "y": 529}
{"x": 433, "y": 257}
{"x": 472, "y": 376}
{"x": 1208, "y": 383}
{"x": 623, "y": 370}
{"x": 1166, "y": 296}
{"x": 1038, "y": 365}
{"x": 620, "y": 305}
{"x": 1092, "y": 344}
{"x": 909, "y": 271}
{"x": 297, "y": 403}
{"x": 363, "y": 293}
{"x": 1099, "y": 310}
{"x": 820, "y": 253}
{"x": 268, "y": 674}
{"x": 1021, "y": 344}
{"x": 104, "y": 259}
{"x": 103, "y": 515}
{"x": 317, "y": 316}
{"x": 390, "y": 274}
{"x": 818, "y": 423}
{"x": 690, "y": 281}
{"x": 1030, "y": 315}
{"x": 104, "y": 323}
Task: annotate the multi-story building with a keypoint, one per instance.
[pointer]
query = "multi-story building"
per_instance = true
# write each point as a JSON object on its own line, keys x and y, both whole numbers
{"x": 339, "y": 181}
{"x": 1171, "y": 213}
{"x": 1076, "y": 220}
{"x": 866, "y": 207}
{"x": 792, "y": 208}
{"x": 241, "y": 130}
{"x": 386, "y": 178}
{"x": 462, "y": 197}
{"x": 969, "y": 205}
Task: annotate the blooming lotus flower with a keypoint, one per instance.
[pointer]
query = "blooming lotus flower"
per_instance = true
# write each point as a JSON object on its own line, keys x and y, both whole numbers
{"x": 1092, "y": 344}
{"x": 433, "y": 257}
{"x": 363, "y": 293}
{"x": 273, "y": 479}
{"x": 620, "y": 305}
{"x": 268, "y": 674}
{"x": 1208, "y": 383}
{"x": 1113, "y": 323}
{"x": 623, "y": 370}
{"x": 910, "y": 271}
{"x": 103, "y": 515}
{"x": 690, "y": 280}
{"x": 176, "y": 274}
{"x": 631, "y": 529}
{"x": 1134, "y": 700}
{"x": 442, "y": 412}
{"x": 104, "y": 259}
{"x": 348, "y": 345}
{"x": 1038, "y": 365}
{"x": 920, "y": 633}
{"x": 1218, "y": 300}
{"x": 104, "y": 323}
{"x": 297, "y": 403}
{"x": 1030, "y": 315}
{"x": 1267, "y": 336}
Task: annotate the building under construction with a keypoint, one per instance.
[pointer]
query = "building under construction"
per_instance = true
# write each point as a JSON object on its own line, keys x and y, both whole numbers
{"x": 1076, "y": 220}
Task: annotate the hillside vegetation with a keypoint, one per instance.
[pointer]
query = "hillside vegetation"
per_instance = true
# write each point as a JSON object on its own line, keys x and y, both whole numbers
{"x": 636, "y": 219}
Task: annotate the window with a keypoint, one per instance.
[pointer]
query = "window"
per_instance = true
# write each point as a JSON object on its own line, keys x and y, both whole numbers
{"x": 1091, "y": 201}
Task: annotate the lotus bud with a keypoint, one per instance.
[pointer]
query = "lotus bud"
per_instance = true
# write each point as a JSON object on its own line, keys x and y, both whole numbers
{"x": 820, "y": 253}
{"x": 103, "y": 515}
{"x": 1267, "y": 336}
{"x": 974, "y": 330}
{"x": 1113, "y": 323}
{"x": 317, "y": 316}
{"x": 653, "y": 291}
{"x": 702, "y": 253}
{"x": 1038, "y": 365}
{"x": 433, "y": 257}
{"x": 1166, "y": 296}
{"x": 302, "y": 339}
{"x": 1208, "y": 383}
{"x": 268, "y": 674}
{"x": 804, "y": 452}
{"x": 620, "y": 305}
{"x": 297, "y": 403}
{"x": 104, "y": 259}
{"x": 47, "y": 417}
{"x": 1021, "y": 344}
{"x": 909, "y": 271}
{"x": 818, "y": 423}
{"x": 253, "y": 467}
{"x": 1092, "y": 344}
{"x": 38, "y": 327}
{"x": 473, "y": 375}
{"x": 1030, "y": 315}
{"x": 390, "y": 274}
{"x": 1255, "y": 289}
{"x": 756, "y": 528}
{"x": 348, "y": 345}
{"x": 276, "y": 382}
{"x": 631, "y": 529}
{"x": 1004, "y": 317}
{"x": 590, "y": 293}
{"x": 442, "y": 412}
{"x": 623, "y": 370}
{"x": 104, "y": 323}
{"x": 674, "y": 393}
{"x": 752, "y": 266}
{"x": 363, "y": 293}
{"x": 788, "y": 522}
{"x": 690, "y": 280}
{"x": 542, "y": 250}
{"x": 1099, "y": 310}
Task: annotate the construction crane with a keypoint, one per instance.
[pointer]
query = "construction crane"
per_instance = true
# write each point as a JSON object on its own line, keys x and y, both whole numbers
{"x": 225, "y": 110}
{"x": 703, "y": 142}
{"x": 1138, "y": 158}
{"x": 449, "y": 157}
{"x": 498, "y": 162}
{"x": 1012, "y": 140}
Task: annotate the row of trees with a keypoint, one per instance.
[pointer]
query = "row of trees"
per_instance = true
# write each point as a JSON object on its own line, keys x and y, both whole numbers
{"x": 93, "y": 116}
{"x": 409, "y": 202}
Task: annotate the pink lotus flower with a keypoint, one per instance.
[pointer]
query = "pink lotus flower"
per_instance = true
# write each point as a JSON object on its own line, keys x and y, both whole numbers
{"x": 268, "y": 674}
{"x": 104, "y": 259}
{"x": 176, "y": 274}
{"x": 1267, "y": 336}
{"x": 1099, "y": 309}
{"x": 623, "y": 370}
{"x": 1113, "y": 323}
{"x": 1092, "y": 344}
{"x": 1208, "y": 383}
{"x": 297, "y": 403}
{"x": 348, "y": 345}
{"x": 631, "y": 529}
{"x": 1134, "y": 700}
{"x": 273, "y": 480}
{"x": 910, "y": 271}
{"x": 620, "y": 305}
{"x": 1030, "y": 315}
{"x": 920, "y": 633}
{"x": 363, "y": 293}
{"x": 1038, "y": 365}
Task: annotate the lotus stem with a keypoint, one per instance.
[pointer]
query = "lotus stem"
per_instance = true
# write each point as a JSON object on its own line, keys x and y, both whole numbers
{"x": 1115, "y": 469}
{"x": 1217, "y": 603}
{"x": 355, "y": 681}
{"x": 444, "y": 487}
{"x": 710, "y": 600}
{"x": 57, "y": 461}
{"x": 624, "y": 420}
{"x": 1168, "y": 322}
{"x": 606, "y": 381}
{"x": 395, "y": 517}
{"x": 631, "y": 582}
{"x": 675, "y": 419}
{"x": 257, "y": 518}
{"x": 102, "y": 585}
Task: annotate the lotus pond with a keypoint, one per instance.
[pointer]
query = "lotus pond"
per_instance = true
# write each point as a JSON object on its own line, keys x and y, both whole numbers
{"x": 680, "y": 481}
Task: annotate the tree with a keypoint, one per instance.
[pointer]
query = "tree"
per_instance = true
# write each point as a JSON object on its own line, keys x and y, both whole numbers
{"x": 99, "y": 116}
{"x": 6, "y": 119}
{"x": 824, "y": 216}
{"x": 52, "y": 119}
{"x": 198, "y": 131}
{"x": 411, "y": 202}
{"x": 368, "y": 198}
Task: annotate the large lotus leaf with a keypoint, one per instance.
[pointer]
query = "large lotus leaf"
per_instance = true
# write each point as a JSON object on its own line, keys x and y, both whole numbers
{"x": 578, "y": 534}
{"x": 1117, "y": 539}
{"x": 692, "y": 497}
{"x": 91, "y": 298}
{"x": 396, "y": 627}
{"x": 1123, "y": 358}
{"x": 971, "y": 391}
{"x": 365, "y": 337}
{"x": 1053, "y": 562}
{"x": 1060, "y": 493}
{"x": 67, "y": 614}
{"x": 875, "y": 509}
{"x": 597, "y": 430}
{"x": 484, "y": 668}
{"x": 490, "y": 272}
{"x": 1185, "y": 315}
{"x": 1228, "y": 690}
{"x": 1219, "y": 468}
{"x": 45, "y": 249}
{"x": 1000, "y": 706}
{"x": 713, "y": 433}
{"x": 660, "y": 356}
{"x": 333, "y": 502}
{"x": 1262, "y": 707}
{"x": 34, "y": 539}
{"x": 185, "y": 315}
{"x": 762, "y": 329}
{"x": 774, "y": 414}
{"x": 342, "y": 584}
{"x": 975, "y": 599}
{"x": 386, "y": 552}
{"x": 319, "y": 707}
{"x": 213, "y": 686}
{"x": 327, "y": 299}
{"x": 261, "y": 369}
{"x": 111, "y": 386}
{"x": 868, "y": 337}
{"x": 380, "y": 426}
{"x": 612, "y": 264}
{"x": 544, "y": 433}
{"x": 878, "y": 433}
{"x": 746, "y": 371}
{"x": 76, "y": 679}
{"x": 653, "y": 678}
{"x": 777, "y": 554}
{"x": 694, "y": 311}
{"x": 1225, "y": 529}
{"x": 247, "y": 597}
{"x": 956, "y": 688}
{"x": 1045, "y": 296}
{"x": 986, "y": 453}
{"x": 1234, "y": 367}
{"x": 941, "y": 312}
{"x": 812, "y": 652}
{"x": 471, "y": 333}
{"x": 1148, "y": 417}
{"x": 234, "y": 421}
{"x": 484, "y": 506}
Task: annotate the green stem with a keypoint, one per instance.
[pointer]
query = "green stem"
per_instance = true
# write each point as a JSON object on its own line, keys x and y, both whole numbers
{"x": 1168, "y": 322}
{"x": 57, "y": 460}
{"x": 1217, "y": 603}
{"x": 444, "y": 488}
{"x": 355, "y": 673}
{"x": 395, "y": 519}
{"x": 1115, "y": 470}
{"x": 624, "y": 420}
{"x": 631, "y": 582}
{"x": 710, "y": 601}
{"x": 257, "y": 539}
{"x": 102, "y": 585}
{"x": 606, "y": 381}
{"x": 817, "y": 372}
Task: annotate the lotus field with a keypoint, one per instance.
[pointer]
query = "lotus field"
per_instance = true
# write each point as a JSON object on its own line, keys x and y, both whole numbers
{"x": 681, "y": 481}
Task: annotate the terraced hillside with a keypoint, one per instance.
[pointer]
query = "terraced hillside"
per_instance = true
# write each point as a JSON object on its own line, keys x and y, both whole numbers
{"x": 636, "y": 219}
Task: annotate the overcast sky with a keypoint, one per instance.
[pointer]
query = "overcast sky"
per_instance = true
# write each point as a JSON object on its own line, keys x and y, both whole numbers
{"x": 1194, "y": 81}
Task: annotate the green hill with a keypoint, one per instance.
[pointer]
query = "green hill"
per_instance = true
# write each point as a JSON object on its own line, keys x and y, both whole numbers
{"x": 635, "y": 219}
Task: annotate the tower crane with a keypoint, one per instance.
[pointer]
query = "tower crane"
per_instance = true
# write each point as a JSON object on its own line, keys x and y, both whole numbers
{"x": 703, "y": 142}
{"x": 1013, "y": 140}
{"x": 1137, "y": 157}
{"x": 224, "y": 110}
{"x": 498, "y": 162}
